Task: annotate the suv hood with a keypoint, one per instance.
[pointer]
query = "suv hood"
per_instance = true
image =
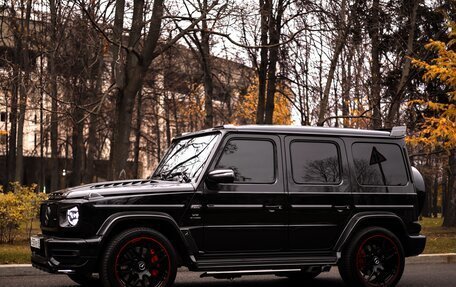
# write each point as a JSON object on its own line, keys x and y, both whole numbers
{"x": 122, "y": 187}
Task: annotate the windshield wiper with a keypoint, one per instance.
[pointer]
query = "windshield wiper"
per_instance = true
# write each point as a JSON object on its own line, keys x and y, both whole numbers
{"x": 182, "y": 174}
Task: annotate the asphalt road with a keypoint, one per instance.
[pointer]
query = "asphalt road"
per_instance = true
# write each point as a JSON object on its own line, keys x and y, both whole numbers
{"x": 415, "y": 275}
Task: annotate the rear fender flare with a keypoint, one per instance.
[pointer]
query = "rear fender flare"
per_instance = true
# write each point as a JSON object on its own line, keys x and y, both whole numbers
{"x": 361, "y": 218}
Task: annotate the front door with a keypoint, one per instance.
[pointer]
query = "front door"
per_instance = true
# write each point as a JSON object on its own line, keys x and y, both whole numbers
{"x": 248, "y": 215}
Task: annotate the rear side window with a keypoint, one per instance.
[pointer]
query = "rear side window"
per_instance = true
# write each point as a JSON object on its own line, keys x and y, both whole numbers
{"x": 315, "y": 162}
{"x": 379, "y": 164}
{"x": 251, "y": 160}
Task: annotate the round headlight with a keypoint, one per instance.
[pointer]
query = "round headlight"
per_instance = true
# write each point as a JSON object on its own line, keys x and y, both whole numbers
{"x": 73, "y": 216}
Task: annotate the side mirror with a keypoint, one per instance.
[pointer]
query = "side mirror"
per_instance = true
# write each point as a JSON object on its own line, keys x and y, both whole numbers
{"x": 220, "y": 176}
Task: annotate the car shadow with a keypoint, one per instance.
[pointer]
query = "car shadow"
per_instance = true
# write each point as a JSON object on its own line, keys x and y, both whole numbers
{"x": 318, "y": 282}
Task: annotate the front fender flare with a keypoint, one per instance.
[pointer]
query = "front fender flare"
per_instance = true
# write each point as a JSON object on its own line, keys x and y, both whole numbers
{"x": 117, "y": 218}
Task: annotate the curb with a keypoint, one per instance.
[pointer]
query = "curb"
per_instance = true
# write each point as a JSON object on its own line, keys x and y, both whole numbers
{"x": 432, "y": 259}
{"x": 15, "y": 265}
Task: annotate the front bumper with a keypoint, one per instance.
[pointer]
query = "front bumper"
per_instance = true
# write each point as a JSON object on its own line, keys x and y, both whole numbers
{"x": 415, "y": 245}
{"x": 66, "y": 255}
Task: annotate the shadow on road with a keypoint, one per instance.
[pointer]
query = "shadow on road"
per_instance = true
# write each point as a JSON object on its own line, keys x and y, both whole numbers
{"x": 318, "y": 282}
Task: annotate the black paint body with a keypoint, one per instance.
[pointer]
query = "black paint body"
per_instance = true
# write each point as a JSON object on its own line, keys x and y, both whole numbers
{"x": 237, "y": 226}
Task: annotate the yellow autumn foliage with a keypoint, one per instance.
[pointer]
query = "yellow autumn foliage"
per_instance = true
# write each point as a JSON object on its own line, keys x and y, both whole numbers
{"x": 439, "y": 131}
{"x": 18, "y": 207}
{"x": 245, "y": 106}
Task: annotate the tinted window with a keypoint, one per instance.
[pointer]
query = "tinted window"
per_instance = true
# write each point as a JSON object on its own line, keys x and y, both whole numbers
{"x": 315, "y": 162}
{"x": 379, "y": 164}
{"x": 251, "y": 160}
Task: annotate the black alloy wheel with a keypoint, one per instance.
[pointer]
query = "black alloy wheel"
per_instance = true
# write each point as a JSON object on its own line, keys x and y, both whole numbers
{"x": 139, "y": 257}
{"x": 374, "y": 258}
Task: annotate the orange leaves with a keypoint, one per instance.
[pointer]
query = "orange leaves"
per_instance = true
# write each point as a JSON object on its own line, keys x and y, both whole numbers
{"x": 245, "y": 106}
{"x": 439, "y": 131}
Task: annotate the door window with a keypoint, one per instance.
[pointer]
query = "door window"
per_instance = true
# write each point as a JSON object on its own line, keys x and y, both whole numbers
{"x": 315, "y": 162}
{"x": 253, "y": 161}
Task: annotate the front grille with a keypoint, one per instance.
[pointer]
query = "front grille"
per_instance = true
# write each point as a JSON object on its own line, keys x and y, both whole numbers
{"x": 48, "y": 215}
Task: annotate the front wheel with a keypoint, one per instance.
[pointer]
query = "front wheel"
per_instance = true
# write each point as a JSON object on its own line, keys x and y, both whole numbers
{"x": 139, "y": 257}
{"x": 374, "y": 258}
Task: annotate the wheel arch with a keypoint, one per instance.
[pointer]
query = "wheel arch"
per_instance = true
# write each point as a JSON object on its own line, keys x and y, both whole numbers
{"x": 360, "y": 221}
{"x": 161, "y": 222}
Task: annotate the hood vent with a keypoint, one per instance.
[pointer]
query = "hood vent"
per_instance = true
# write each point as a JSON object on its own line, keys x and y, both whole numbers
{"x": 123, "y": 183}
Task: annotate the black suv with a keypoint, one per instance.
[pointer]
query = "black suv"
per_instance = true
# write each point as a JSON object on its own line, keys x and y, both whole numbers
{"x": 233, "y": 201}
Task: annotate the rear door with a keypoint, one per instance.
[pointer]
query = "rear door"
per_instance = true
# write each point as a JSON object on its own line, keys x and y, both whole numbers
{"x": 248, "y": 215}
{"x": 319, "y": 192}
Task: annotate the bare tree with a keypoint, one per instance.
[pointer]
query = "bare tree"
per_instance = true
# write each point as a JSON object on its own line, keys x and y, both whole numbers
{"x": 135, "y": 56}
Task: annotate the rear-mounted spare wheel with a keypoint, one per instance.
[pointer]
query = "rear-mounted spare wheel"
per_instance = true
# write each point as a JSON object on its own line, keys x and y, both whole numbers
{"x": 418, "y": 181}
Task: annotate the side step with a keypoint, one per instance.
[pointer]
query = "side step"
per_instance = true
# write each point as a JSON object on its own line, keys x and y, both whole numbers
{"x": 262, "y": 263}
{"x": 239, "y": 273}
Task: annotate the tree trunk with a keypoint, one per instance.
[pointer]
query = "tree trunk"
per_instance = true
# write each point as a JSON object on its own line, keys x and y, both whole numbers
{"x": 393, "y": 114}
{"x": 11, "y": 153}
{"x": 435, "y": 196}
{"x": 265, "y": 13}
{"x": 444, "y": 193}
{"x": 78, "y": 148}
{"x": 54, "y": 166}
{"x": 207, "y": 71}
{"x": 275, "y": 26}
{"x": 137, "y": 136}
{"x": 427, "y": 208}
{"x": 374, "y": 32}
{"x": 450, "y": 219}
{"x": 89, "y": 175}
{"x": 24, "y": 82}
{"x": 340, "y": 43}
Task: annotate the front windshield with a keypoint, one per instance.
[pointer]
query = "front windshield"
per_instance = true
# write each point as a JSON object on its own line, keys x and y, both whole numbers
{"x": 186, "y": 158}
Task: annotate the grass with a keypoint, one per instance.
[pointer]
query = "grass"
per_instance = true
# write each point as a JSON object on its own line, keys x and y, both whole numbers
{"x": 19, "y": 252}
{"x": 439, "y": 240}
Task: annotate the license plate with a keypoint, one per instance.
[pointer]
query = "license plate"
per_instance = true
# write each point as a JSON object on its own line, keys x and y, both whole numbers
{"x": 35, "y": 242}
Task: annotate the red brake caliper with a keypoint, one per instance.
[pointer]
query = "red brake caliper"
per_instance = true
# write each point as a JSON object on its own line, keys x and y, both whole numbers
{"x": 153, "y": 259}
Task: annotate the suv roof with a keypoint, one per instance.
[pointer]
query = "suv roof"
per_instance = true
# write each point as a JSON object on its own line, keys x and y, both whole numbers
{"x": 396, "y": 132}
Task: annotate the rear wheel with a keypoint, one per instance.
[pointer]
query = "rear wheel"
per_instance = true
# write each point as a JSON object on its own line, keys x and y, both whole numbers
{"x": 375, "y": 257}
{"x": 139, "y": 257}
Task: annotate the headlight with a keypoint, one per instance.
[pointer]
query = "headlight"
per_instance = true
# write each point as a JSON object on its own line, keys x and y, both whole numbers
{"x": 72, "y": 216}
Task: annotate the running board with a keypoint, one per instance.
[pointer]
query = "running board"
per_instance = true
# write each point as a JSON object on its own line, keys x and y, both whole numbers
{"x": 282, "y": 263}
{"x": 239, "y": 273}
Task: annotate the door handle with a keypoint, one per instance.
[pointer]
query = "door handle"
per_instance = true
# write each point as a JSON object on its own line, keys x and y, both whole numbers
{"x": 342, "y": 208}
{"x": 273, "y": 207}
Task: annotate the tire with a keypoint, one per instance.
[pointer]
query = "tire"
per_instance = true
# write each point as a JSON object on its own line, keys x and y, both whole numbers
{"x": 374, "y": 257}
{"x": 137, "y": 257}
{"x": 85, "y": 279}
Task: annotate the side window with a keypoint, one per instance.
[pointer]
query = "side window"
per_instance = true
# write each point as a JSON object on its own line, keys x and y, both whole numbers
{"x": 315, "y": 162}
{"x": 379, "y": 164}
{"x": 253, "y": 161}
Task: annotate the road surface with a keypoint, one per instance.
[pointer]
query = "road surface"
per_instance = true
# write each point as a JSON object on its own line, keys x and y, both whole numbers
{"x": 415, "y": 275}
